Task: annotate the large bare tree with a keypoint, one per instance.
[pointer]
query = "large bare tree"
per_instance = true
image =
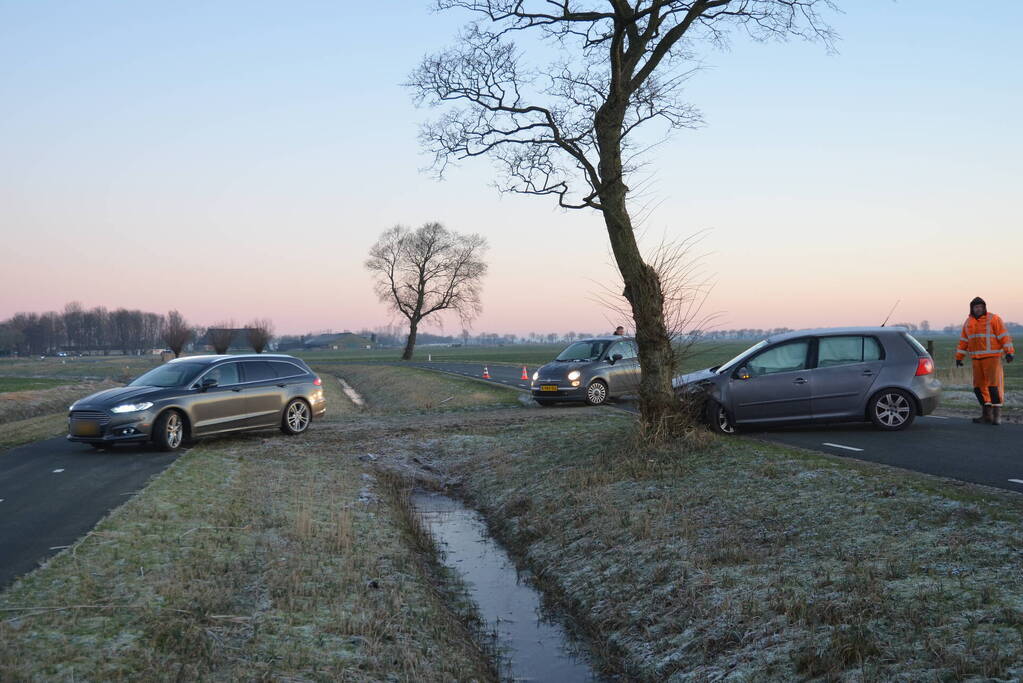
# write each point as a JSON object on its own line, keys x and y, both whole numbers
{"x": 176, "y": 333}
{"x": 427, "y": 271}
{"x": 569, "y": 127}
{"x": 220, "y": 336}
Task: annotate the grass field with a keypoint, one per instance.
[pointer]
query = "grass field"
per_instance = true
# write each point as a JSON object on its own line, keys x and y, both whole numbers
{"x": 9, "y": 384}
{"x": 264, "y": 557}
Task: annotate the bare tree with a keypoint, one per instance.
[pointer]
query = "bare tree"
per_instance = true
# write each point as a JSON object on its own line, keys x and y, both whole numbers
{"x": 176, "y": 333}
{"x": 220, "y": 335}
{"x": 568, "y": 128}
{"x": 260, "y": 333}
{"x": 426, "y": 271}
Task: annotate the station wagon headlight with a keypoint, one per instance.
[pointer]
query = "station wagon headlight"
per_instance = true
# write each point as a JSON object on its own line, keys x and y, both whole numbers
{"x": 574, "y": 375}
{"x": 536, "y": 375}
{"x": 132, "y": 407}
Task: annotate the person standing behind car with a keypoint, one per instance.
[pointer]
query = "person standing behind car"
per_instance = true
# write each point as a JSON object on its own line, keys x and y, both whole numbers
{"x": 984, "y": 337}
{"x": 619, "y": 331}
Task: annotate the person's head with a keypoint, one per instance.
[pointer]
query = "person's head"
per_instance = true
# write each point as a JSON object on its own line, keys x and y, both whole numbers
{"x": 978, "y": 307}
{"x": 619, "y": 330}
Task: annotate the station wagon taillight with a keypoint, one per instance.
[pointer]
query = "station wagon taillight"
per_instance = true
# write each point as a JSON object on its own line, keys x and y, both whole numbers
{"x": 318, "y": 381}
{"x": 924, "y": 366}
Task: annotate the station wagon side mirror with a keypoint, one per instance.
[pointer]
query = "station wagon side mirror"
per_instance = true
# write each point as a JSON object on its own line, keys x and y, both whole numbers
{"x": 208, "y": 383}
{"x": 743, "y": 373}
{"x": 615, "y": 358}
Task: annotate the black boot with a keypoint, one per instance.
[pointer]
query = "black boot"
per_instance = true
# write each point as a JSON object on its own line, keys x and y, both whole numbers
{"x": 985, "y": 418}
{"x": 996, "y": 415}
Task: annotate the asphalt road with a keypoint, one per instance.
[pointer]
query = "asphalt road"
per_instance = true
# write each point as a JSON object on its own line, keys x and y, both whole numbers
{"x": 53, "y": 492}
{"x": 944, "y": 446}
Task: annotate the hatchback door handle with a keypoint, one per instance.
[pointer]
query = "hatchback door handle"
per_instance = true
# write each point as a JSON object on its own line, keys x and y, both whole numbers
{"x": 799, "y": 380}
{"x": 868, "y": 373}
{"x": 282, "y": 385}
{"x": 236, "y": 390}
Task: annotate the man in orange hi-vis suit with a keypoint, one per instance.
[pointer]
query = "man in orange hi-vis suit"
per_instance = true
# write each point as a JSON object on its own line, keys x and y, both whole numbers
{"x": 984, "y": 338}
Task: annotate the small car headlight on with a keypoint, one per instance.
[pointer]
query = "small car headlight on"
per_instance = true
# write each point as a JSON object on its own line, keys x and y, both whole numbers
{"x": 536, "y": 375}
{"x": 132, "y": 407}
{"x": 574, "y": 375}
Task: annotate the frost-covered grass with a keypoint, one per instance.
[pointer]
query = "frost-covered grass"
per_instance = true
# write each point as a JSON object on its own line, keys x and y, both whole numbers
{"x": 252, "y": 558}
{"x": 395, "y": 389}
{"x": 753, "y": 561}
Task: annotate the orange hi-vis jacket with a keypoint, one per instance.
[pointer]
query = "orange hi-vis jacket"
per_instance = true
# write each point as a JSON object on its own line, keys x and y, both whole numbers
{"x": 984, "y": 337}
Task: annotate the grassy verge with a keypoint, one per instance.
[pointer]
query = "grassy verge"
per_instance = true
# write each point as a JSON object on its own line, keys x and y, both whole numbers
{"x": 28, "y": 383}
{"x": 746, "y": 559}
{"x": 20, "y": 432}
{"x": 251, "y": 558}
{"x": 391, "y": 389}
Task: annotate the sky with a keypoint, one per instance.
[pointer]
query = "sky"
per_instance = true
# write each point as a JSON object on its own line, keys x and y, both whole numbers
{"x": 236, "y": 160}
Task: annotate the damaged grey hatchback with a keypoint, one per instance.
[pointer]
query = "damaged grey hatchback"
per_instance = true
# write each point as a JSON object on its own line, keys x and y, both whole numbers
{"x": 877, "y": 374}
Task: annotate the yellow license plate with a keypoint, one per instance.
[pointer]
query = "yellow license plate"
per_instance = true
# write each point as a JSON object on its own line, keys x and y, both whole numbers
{"x": 548, "y": 387}
{"x": 84, "y": 428}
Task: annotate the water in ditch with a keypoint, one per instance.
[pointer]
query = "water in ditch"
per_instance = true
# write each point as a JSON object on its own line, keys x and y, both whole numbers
{"x": 536, "y": 648}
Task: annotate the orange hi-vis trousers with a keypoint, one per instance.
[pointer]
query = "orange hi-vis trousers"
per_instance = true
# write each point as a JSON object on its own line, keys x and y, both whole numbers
{"x": 989, "y": 380}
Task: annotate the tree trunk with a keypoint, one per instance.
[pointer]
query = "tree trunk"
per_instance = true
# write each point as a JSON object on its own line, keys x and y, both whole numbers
{"x": 410, "y": 343}
{"x": 642, "y": 284}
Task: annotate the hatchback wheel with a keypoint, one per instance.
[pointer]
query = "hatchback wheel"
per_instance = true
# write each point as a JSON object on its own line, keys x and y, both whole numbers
{"x": 169, "y": 431}
{"x": 596, "y": 393}
{"x": 718, "y": 418}
{"x": 891, "y": 410}
{"x": 296, "y": 417}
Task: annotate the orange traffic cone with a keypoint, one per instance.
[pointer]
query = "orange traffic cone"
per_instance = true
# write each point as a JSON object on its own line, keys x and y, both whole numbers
{"x": 486, "y": 373}
{"x": 525, "y": 375}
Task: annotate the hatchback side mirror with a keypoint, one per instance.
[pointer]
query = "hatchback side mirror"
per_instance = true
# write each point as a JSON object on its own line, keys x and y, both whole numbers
{"x": 208, "y": 383}
{"x": 743, "y": 373}
{"x": 615, "y": 358}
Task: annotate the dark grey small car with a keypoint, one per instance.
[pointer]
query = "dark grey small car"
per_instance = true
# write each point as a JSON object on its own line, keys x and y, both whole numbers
{"x": 199, "y": 396}
{"x": 590, "y": 370}
{"x": 877, "y": 374}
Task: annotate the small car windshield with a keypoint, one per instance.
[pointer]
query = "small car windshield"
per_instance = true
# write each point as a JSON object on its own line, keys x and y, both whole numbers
{"x": 170, "y": 375}
{"x": 583, "y": 351}
{"x": 730, "y": 364}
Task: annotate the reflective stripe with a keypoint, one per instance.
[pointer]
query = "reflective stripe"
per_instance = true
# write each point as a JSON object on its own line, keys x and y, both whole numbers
{"x": 1003, "y": 334}
{"x": 988, "y": 332}
{"x": 976, "y": 336}
{"x": 984, "y": 352}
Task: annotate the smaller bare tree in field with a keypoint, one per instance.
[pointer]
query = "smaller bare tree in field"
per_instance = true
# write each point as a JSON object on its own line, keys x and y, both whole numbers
{"x": 428, "y": 270}
{"x": 260, "y": 333}
{"x": 176, "y": 333}
{"x": 219, "y": 336}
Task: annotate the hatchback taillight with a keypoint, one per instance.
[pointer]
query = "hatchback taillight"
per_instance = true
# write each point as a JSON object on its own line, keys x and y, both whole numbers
{"x": 318, "y": 381}
{"x": 924, "y": 366}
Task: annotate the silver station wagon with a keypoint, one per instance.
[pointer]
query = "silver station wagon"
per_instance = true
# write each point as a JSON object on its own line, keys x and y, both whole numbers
{"x": 877, "y": 374}
{"x": 199, "y": 396}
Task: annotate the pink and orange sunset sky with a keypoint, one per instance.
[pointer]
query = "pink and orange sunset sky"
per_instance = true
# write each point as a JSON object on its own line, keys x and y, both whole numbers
{"x": 237, "y": 160}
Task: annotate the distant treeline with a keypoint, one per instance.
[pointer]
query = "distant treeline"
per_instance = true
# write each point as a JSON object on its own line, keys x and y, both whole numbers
{"x": 79, "y": 330}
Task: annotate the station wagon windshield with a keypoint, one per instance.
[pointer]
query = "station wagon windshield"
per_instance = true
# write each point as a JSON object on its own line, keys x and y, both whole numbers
{"x": 745, "y": 354}
{"x": 170, "y": 375}
{"x": 583, "y": 351}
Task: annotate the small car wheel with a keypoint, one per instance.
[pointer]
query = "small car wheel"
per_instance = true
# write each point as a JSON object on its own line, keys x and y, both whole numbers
{"x": 296, "y": 417}
{"x": 169, "y": 431}
{"x": 891, "y": 410}
{"x": 596, "y": 393}
{"x": 718, "y": 419}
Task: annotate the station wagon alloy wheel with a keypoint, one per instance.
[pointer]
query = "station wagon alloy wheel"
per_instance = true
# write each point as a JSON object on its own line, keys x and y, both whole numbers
{"x": 169, "y": 431}
{"x": 296, "y": 418}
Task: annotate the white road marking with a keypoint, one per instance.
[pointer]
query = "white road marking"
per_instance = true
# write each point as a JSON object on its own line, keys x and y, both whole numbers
{"x": 936, "y": 417}
{"x": 1014, "y": 481}
{"x": 58, "y": 471}
{"x": 1, "y": 500}
{"x": 838, "y": 445}
{"x": 352, "y": 395}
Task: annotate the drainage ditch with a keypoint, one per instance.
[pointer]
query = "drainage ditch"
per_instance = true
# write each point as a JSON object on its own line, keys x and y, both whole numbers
{"x": 534, "y": 645}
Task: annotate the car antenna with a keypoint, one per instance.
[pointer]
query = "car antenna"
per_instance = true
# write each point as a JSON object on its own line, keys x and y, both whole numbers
{"x": 890, "y": 313}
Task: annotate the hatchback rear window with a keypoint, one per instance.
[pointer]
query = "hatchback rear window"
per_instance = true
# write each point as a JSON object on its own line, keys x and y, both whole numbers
{"x": 917, "y": 346}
